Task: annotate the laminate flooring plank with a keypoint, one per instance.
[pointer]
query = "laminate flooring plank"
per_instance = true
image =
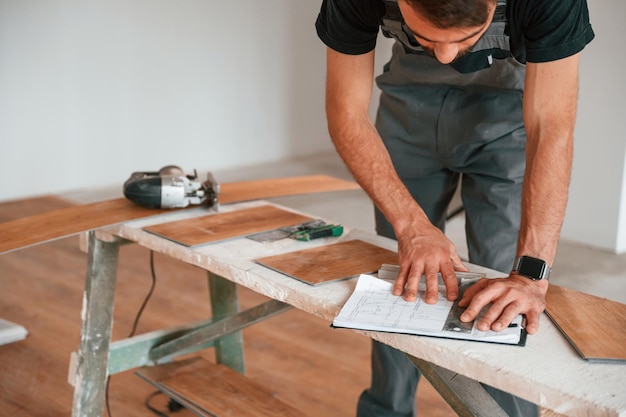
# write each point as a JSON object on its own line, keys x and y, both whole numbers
{"x": 331, "y": 262}
{"x": 15, "y": 209}
{"x": 220, "y": 226}
{"x": 594, "y": 326}
{"x": 46, "y": 226}
{"x": 218, "y": 390}
{"x": 235, "y": 192}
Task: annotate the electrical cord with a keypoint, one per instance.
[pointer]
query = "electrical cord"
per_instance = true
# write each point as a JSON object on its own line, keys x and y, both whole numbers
{"x": 151, "y": 408}
{"x": 145, "y": 301}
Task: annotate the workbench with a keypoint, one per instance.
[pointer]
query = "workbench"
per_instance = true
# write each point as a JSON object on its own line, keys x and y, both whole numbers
{"x": 547, "y": 371}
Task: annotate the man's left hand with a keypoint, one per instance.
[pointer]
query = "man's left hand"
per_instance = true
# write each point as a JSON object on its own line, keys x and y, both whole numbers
{"x": 509, "y": 297}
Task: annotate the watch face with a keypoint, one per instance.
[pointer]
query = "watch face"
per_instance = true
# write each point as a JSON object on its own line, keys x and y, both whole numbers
{"x": 532, "y": 267}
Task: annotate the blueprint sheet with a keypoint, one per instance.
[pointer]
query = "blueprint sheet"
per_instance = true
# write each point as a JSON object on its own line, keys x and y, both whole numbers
{"x": 372, "y": 306}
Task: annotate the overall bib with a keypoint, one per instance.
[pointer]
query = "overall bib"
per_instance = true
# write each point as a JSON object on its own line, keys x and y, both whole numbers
{"x": 441, "y": 123}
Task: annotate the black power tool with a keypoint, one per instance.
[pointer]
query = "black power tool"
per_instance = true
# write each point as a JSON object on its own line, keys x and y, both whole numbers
{"x": 170, "y": 188}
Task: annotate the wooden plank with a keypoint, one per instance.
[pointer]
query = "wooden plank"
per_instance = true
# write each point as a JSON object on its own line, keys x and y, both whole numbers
{"x": 44, "y": 227}
{"x": 40, "y": 228}
{"x": 216, "y": 390}
{"x": 235, "y": 192}
{"x": 154, "y": 374}
{"x": 331, "y": 262}
{"x": 16, "y": 209}
{"x": 593, "y": 325}
{"x": 220, "y": 226}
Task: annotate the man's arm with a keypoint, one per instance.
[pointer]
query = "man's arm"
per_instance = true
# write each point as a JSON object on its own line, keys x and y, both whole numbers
{"x": 550, "y": 95}
{"x": 422, "y": 248}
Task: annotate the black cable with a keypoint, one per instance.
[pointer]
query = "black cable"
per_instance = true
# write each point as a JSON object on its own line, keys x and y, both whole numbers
{"x": 174, "y": 405}
{"x": 145, "y": 301}
{"x": 106, "y": 397}
{"x": 151, "y": 408}
{"x": 134, "y": 328}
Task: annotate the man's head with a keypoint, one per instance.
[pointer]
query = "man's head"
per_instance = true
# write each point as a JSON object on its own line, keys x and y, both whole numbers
{"x": 447, "y": 14}
{"x": 447, "y": 28}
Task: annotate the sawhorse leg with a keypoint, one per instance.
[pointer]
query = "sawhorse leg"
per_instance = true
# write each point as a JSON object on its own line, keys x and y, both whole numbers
{"x": 225, "y": 303}
{"x": 91, "y": 362}
{"x": 97, "y": 315}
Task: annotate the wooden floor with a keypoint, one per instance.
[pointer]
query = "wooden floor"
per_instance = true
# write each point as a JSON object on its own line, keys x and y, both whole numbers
{"x": 316, "y": 369}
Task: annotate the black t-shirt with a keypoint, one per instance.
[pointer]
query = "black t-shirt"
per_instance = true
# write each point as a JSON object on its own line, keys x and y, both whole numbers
{"x": 539, "y": 30}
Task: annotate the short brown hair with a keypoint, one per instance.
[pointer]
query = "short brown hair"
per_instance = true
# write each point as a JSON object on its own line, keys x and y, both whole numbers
{"x": 447, "y": 14}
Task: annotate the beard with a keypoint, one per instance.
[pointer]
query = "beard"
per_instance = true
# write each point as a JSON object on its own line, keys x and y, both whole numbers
{"x": 431, "y": 52}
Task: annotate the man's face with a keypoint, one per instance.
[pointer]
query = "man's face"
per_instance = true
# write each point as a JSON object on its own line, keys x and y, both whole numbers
{"x": 444, "y": 44}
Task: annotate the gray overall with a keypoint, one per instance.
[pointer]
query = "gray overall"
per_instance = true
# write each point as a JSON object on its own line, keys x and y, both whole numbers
{"x": 441, "y": 123}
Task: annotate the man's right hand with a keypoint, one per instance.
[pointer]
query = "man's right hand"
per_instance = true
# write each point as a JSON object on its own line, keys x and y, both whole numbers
{"x": 427, "y": 253}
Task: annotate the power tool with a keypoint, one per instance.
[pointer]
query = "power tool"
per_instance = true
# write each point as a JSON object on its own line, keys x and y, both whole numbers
{"x": 170, "y": 188}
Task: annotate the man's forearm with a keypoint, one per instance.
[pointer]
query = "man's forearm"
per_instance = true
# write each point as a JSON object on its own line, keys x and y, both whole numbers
{"x": 544, "y": 200}
{"x": 549, "y": 115}
{"x": 363, "y": 152}
{"x": 349, "y": 85}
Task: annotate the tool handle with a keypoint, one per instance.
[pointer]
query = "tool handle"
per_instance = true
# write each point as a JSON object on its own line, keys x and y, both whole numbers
{"x": 319, "y": 232}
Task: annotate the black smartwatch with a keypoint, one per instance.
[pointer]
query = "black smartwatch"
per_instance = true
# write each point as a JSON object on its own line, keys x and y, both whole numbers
{"x": 532, "y": 268}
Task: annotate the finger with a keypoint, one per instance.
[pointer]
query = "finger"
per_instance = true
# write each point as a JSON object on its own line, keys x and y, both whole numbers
{"x": 398, "y": 286}
{"x": 477, "y": 302}
{"x": 410, "y": 291}
{"x": 532, "y": 322}
{"x": 469, "y": 292}
{"x": 432, "y": 285}
{"x": 489, "y": 318}
{"x": 400, "y": 282}
{"x": 506, "y": 317}
{"x": 451, "y": 281}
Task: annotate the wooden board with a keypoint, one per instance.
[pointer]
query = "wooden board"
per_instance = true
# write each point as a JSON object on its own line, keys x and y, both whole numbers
{"x": 236, "y": 192}
{"x": 215, "y": 390}
{"x": 27, "y": 231}
{"x": 221, "y": 226}
{"x": 595, "y": 326}
{"x": 331, "y": 262}
{"x": 44, "y": 227}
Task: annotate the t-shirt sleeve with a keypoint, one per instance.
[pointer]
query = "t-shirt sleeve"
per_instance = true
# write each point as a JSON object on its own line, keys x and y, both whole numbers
{"x": 350, "y": 26}
{"x": 552, "y": 29}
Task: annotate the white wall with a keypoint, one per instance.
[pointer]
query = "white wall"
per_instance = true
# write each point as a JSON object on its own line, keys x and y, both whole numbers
{"x": 596, "y": 213}
{"x": 91, "y": 91}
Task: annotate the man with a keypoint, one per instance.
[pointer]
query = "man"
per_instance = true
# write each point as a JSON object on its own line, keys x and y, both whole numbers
{"x": 478, "y": 90}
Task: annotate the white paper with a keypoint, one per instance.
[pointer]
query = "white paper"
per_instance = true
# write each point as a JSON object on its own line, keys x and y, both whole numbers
{"x": 372, "y": 306}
